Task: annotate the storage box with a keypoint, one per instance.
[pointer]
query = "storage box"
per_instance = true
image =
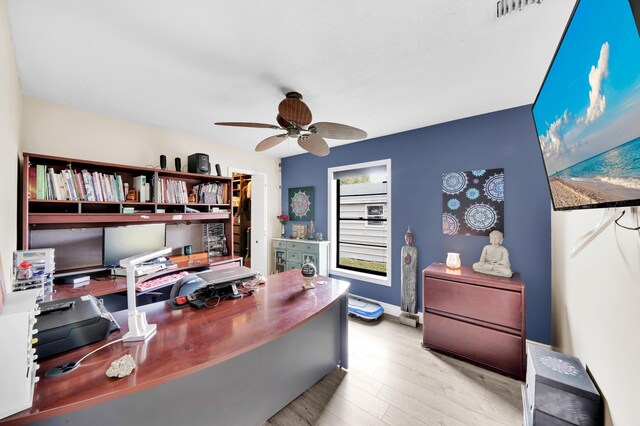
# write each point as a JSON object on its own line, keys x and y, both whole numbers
{"x": 558, "y": 390}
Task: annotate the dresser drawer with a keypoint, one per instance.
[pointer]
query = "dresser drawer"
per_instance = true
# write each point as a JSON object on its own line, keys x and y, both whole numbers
{"x": 496, "y": 306}
{"x": 295, "y": 245}
{"x": 309, "y": 248}
{"x": 279, "y": 244}
{"x": 483, "y": 345}
{"x": 294, "y": 256}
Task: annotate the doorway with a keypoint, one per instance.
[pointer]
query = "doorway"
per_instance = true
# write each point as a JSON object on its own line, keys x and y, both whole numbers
{"x": 249, "y": 217}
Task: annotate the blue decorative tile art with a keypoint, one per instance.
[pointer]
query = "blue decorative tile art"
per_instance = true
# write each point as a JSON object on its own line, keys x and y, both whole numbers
{"x": 473, "y": 202}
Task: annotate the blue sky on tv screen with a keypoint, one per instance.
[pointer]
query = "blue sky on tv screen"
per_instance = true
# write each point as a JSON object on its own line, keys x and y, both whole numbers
{"x": 590, "y": 100}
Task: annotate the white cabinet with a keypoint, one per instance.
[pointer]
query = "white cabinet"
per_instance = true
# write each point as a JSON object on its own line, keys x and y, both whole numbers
{"x": 292, "y": 254}
{"x": 18, "y": 366}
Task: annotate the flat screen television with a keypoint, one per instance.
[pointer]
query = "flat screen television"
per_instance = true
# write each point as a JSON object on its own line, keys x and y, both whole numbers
{"x": 120, "y": 242}
{"x": 587, "y": 112}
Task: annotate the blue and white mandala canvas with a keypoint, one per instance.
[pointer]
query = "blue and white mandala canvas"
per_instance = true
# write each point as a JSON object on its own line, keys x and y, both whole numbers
{"x": 473, "y": 202}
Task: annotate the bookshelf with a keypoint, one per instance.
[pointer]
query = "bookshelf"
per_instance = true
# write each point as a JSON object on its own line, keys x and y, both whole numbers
{"x": 169, "y": 199}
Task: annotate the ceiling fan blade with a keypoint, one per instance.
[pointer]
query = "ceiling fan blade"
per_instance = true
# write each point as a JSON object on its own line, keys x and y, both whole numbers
{"x": 270, "y": 142}
{"x": 242, "y": 124}
{"x": 337, "y": 131}
{"x": 295, "y": 110}
{"x": 314, "y": 144}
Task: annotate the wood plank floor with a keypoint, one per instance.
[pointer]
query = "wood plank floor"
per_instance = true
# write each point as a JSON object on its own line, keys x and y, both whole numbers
{"x": 393, "y": 381}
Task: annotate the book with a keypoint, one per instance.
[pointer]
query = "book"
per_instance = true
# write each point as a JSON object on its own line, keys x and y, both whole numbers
{"x": 40, "y": 182}
{"x": 80, "y": 185}
{"x": 88, "y": 185}
{"x": 121, "y": 191}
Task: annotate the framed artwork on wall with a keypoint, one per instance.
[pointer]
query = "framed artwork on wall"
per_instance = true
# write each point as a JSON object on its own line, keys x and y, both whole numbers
{"x": 473, "y": 202}
{"x": 301, "y": 204}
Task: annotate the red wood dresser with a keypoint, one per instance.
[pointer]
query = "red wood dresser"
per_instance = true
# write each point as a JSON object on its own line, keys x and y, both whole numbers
{"x": 476, "y": 317}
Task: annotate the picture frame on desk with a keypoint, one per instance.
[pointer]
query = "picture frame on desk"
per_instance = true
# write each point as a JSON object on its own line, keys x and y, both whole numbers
{"x": 299, "y": 232}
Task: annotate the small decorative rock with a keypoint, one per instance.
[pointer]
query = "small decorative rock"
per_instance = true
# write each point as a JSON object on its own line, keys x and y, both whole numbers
{"x": 121, "y": 367}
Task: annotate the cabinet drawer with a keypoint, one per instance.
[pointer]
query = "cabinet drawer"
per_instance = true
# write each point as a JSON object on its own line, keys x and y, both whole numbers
{"x": 279, "y": 244}
{"x": 294, "y": 245}
{"x": 293, "y": 265}
{"x": 496, "y": 306}
{"x": 490, "y": 347}
{"x": 309, "y": 248}
{"x": 294, "y": 256}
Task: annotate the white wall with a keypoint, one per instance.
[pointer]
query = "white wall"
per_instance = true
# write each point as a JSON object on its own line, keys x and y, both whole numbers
{"x": 59, "y": 130}
{"x": 596, "y": 306}
{"x": 10, "y": 100}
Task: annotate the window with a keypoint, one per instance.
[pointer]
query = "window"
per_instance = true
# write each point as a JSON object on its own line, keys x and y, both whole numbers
{"x": 375, "y": 211}
{"x": 360, "y": 215}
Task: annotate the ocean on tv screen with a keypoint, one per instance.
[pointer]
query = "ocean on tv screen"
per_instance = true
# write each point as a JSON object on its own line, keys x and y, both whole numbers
{"x": 587, "y": 110}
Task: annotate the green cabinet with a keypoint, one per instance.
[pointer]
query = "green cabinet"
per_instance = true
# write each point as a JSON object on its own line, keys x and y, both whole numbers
{"x": 292, "y": 254}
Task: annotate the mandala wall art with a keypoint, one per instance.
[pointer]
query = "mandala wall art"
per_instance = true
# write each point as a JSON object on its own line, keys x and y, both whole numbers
{"x": 473, "y": 202}
{"x": 301, "y": 203}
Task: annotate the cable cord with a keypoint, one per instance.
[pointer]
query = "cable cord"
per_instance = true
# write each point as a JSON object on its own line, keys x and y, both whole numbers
{"x": 101, "y": 347}
{"x": 637, "y": 228}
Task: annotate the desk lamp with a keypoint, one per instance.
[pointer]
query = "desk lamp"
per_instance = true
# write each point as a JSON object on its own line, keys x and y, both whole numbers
{"x": 139, "y": 329}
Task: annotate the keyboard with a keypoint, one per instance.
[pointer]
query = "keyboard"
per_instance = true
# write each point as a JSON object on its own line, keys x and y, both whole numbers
{"x": 162, "y": 281}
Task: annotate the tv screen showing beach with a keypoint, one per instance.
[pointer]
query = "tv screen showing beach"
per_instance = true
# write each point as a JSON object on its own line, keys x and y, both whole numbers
{"x": 587, "y": 113}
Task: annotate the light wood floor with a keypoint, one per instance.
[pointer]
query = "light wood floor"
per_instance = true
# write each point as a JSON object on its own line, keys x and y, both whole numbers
{"x": 393, "y": 381}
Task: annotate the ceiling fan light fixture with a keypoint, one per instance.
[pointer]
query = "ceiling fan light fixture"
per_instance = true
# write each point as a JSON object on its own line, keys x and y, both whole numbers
{"x": 293, "y": 116}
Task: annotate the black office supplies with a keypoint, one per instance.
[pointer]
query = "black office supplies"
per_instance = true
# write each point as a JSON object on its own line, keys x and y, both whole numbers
{"x": 68, "y": 324}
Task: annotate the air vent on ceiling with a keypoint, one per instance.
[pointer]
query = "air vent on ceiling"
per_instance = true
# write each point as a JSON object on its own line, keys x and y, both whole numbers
{"x": 504, "y": 7}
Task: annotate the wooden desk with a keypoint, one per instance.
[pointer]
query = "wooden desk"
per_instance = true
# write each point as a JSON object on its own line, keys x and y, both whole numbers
{"x": 237, "y": 363}
{"x": 110, "y": 284}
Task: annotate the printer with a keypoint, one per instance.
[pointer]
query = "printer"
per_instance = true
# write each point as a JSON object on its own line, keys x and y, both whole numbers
{"x": 68, "y": 324}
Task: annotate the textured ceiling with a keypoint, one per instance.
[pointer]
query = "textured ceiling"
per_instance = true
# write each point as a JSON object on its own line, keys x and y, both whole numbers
{"x": 382, "y": 66}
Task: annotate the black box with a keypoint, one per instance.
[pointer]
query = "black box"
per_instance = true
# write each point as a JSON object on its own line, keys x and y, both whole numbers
{"x": 199, "y": 163}
{"x": 558, "y": 391}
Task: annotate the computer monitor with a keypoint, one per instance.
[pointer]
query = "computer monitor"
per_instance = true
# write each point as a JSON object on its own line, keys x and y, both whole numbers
{"x": 123, "y": 241}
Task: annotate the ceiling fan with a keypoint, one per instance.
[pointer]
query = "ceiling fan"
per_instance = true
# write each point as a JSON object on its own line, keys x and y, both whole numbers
{"x": 294, "y": 117}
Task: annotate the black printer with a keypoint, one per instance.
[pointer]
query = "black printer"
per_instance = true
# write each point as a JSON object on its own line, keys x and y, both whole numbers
{"x": 70, "y": 323}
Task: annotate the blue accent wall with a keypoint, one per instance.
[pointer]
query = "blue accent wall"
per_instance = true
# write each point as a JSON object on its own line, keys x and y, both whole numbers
{"x": 505, "y": 139}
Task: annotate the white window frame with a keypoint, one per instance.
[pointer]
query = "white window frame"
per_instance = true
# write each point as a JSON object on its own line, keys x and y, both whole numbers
{"x": 331, "y": 215}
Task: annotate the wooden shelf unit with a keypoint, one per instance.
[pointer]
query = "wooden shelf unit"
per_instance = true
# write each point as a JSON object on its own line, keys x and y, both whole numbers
{"x": 55, "y": 214}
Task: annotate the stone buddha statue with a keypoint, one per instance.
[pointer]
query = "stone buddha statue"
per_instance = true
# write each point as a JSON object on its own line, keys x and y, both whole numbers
{"x": 494, "y": 259}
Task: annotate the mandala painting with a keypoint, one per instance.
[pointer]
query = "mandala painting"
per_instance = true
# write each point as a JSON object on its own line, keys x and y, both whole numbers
{"x": 301, "y": 203}
{"x": 473, "y": 202}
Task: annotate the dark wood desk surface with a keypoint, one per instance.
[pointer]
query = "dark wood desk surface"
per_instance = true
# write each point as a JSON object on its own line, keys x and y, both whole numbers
{"x": 186, "y": 342}
{"x": 101, "y": 286}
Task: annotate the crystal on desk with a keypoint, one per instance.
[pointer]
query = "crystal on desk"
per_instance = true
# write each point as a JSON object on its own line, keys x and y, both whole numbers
{"x": 121, "y": 367}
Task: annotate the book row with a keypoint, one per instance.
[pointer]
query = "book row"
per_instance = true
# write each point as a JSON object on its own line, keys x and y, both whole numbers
{"x": 75, "y": 186}
{"x": 72, "y": 185}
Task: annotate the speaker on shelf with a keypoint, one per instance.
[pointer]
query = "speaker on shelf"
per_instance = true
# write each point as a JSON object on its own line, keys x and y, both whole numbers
{"x": 218, "y": 171}
{"x": 199, "y": 163}
{"x": 163, "y": 162}
{"x": 178, "y": 164}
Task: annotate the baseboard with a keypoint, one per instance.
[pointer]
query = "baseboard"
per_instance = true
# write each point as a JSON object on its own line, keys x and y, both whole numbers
{"x": 389, "y": 309}
{"x": 542, "y": 345}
